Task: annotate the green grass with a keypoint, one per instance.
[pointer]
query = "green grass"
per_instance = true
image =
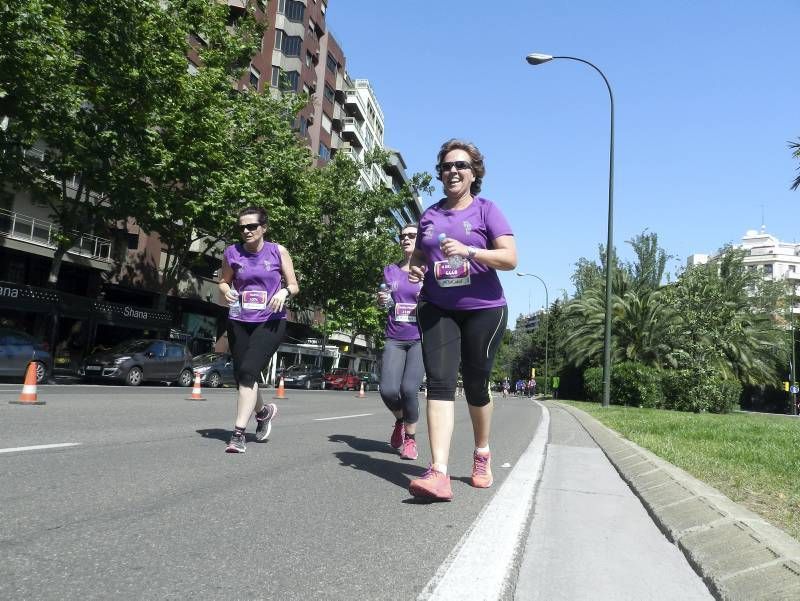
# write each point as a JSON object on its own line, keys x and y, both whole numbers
{"x": 753, "y": 459}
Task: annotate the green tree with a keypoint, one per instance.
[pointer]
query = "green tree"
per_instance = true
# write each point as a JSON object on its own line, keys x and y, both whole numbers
{"x": 80, "y": 82}
{"x": 795, "y": 147}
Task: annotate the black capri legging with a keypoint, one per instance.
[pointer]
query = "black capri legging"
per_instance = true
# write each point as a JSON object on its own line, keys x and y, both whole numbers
{"x": 450, "y": 336}
{"x": 252, "y": 344}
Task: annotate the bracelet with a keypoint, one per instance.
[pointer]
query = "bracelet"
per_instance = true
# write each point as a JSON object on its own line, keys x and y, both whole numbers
{"x": 288, "y": 292}
{"x": 471, "y": 252}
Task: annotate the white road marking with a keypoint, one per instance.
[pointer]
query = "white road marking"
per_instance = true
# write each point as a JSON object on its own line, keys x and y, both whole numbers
{"x": 479, "y": 566}
{"x": 327, "y": 419}
{"x": 40, "y": 446}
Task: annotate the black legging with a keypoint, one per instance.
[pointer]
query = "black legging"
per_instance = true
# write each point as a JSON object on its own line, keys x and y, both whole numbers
{"x": 252, "y": 344}
{"x": 450, "y": 336}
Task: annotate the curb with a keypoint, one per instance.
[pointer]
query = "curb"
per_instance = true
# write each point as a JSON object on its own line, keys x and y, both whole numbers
{"x": 740, "y": 556}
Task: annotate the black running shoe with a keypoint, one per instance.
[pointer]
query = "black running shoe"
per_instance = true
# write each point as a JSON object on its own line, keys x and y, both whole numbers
{"x": 264, "y": 424}
{"x": 236, "y": 444}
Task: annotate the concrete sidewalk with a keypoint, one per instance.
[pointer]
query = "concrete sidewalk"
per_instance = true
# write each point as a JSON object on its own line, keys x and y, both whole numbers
{"x": 613, "y": 522}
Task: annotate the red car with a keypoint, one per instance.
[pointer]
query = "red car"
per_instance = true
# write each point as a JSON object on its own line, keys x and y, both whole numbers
{"x": 342, "y": 379}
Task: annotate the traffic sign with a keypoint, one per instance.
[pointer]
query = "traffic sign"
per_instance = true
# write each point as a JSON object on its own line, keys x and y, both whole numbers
{"x": 794, "y": 389}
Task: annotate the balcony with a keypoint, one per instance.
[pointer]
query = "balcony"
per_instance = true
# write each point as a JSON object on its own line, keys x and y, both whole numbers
{"x": 353, "y": 131}
{"x": 44, "y": 233}
{"x": 352, "y": 102}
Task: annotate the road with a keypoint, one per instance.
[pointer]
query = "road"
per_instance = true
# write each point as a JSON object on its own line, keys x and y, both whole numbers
{"x": 146, "y": 504}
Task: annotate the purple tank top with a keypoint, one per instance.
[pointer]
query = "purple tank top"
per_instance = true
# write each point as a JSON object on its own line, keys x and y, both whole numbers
{"x": 401, "y": 323}
{"x": 256, "y": 277}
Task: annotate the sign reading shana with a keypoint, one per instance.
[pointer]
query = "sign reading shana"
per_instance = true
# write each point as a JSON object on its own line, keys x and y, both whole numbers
{"x": 8, "y": 291}
{"x": 137, "y": 313}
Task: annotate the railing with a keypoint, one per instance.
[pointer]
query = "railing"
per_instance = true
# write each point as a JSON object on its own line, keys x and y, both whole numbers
{"x": 44, "y": 233}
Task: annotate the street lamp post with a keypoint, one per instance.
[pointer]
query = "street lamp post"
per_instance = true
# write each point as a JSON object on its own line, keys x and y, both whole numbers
{"x": 540, "y": 59}
{"x": 546, "y": 327}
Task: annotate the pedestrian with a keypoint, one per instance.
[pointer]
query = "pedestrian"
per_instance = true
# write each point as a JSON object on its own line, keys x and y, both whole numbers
{"x": 252, "y": 281}
{"x": 506, "y": 387}
{"x": 401, "y": 365}
{"x": 462, "y": 313}
{"x": 531, "y": 387}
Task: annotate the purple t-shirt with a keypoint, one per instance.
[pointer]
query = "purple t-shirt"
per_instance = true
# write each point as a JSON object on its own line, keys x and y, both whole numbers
{"x": 473, "y": 286}
{"x": 401, "y": 323}
{"x": 256, "y": 277}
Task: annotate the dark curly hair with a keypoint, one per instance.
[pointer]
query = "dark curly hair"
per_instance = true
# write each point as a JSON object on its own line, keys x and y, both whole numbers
{"x": 260, "y": 211}
{"x": 475, "y": 156}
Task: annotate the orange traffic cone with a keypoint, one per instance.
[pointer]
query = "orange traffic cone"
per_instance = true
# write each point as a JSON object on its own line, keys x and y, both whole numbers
{"x": 361, "y": 394}
{"x": 281, "y": 394}
{"x": 197, "y": 394}
{"x": 28, "y": 396}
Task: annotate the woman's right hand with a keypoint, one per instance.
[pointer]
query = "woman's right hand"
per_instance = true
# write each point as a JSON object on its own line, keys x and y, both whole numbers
{"x": 382, "y": 298}
{"x": 416, "y": 273}
{"x": 231, "y": 296}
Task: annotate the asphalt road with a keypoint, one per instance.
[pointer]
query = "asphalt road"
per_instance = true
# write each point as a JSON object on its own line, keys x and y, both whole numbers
{"x": 148, "y": 506}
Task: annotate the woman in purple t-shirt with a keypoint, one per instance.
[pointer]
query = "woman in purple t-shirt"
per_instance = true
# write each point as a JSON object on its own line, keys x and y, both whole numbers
{"x": 462, "y": 312}
{"x": 401, "y": 364}
{"x": 252, "y": 279}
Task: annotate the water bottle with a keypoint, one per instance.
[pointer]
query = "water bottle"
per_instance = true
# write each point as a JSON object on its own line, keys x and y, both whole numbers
{"x": 234, "y": 307}
{"x": 455, "y": 260}
{"x": 389, "y": 302}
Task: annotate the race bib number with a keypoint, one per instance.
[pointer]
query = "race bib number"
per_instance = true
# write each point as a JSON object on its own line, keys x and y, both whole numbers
{"x": 254, "y": 299}
{"x": 405, "y": 312}
{"x": 450, "y": 277}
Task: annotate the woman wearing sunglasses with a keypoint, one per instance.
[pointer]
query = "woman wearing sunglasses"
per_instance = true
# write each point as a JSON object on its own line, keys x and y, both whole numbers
{"x": 253, "y": 272}
{"x": 401, "y": 364}
{"x": 462, "y": 312}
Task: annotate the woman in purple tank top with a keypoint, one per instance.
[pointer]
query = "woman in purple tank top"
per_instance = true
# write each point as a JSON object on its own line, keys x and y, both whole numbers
{"x": 464, "y": 239}
{"x": 257, "y": 279}
{"x": 401, "y": 364}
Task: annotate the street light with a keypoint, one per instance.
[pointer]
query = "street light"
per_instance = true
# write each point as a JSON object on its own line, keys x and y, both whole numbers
{"x": 546, "y": 327}
{"x": 540, "y": 59}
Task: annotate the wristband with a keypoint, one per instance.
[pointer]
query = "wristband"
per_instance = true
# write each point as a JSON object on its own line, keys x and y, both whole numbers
{"x": 471, "y": 252}
{"x": 288, "y": 292}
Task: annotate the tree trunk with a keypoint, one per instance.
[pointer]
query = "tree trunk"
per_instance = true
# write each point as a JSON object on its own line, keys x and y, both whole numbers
{"x": 55, "y": 266}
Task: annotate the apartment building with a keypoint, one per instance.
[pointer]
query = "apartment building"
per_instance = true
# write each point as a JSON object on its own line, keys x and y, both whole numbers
{"x": 98, "y": 304}
{"x": 776, "y": 260}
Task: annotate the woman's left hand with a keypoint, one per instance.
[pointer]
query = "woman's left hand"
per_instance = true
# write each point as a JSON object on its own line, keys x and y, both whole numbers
{"x": 277, "y": 302}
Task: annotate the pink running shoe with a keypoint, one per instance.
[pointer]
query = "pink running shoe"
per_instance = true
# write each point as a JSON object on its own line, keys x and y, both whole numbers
{"x": 433, "y": 485}
{"x": 409, "y": 449}
{"x": 482, "y": 470}
{"x": 398, "y": 435}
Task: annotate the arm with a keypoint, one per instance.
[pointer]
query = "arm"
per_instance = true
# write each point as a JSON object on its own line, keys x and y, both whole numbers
{"x": 225, "y": 278}
{"x": 416, "y": 267}
{"x": 277, "y": 302}
{"x": 503, "y": 256}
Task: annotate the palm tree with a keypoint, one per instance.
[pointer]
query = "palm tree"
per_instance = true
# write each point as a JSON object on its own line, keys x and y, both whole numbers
{"x": 795, "y": 146}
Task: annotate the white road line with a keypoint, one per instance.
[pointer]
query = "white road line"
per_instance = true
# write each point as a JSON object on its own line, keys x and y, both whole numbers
{"x": 480, "y": 565}
{"x": 40, "y": 446}
{"x": 327, "y": 419}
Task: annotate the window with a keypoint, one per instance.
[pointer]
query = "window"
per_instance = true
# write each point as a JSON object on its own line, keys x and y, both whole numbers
{"x": 312, "y": 29}
{"x": 792, "y": 268}
{"x": 158, "y": 348}
{"x": 193, "y": 70}
{"x": 326, "y": 123}
{"x": 288, "y": 44}
{"x": 328, "y": 93}
{"x": 255, "y": 76}
{"x": 302, "y": 125}
{"x": 322, "y": 7}
{"x": 133, "y": 241}
{"x": 768, "y": 269}
{"x": 331, "y": 63}
{"x": 292, "y": 10}
{"x": 290, "y": 80}
{"x": 324, "y": 152}
{"x": 309, "y": 59}
{"x": 174, "y": 351}
{"x": 275, "y": 80}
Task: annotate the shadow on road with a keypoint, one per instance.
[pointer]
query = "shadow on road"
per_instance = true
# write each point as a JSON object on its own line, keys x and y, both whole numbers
{"x": 223, "y": 435}
{"x": 397, "y": 472}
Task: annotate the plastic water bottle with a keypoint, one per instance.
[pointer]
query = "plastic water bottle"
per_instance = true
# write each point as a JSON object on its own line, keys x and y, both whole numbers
{"x": 234, "y": 307}
{"x": 389, "y": 302}
{"x": 454, "y": 260}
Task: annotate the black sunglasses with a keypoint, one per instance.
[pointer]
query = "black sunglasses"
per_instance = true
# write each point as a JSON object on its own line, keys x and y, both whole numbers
{"x": 250, "y": 227}
{"x": 407, "y": 235}
{"x": 460, "y": 165}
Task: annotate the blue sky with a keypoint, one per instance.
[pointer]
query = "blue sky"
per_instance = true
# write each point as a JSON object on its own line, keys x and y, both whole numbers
{"x": 707, "y": 95}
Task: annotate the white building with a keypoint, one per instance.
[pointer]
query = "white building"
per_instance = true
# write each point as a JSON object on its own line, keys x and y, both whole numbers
{"x": 775, "y": 259}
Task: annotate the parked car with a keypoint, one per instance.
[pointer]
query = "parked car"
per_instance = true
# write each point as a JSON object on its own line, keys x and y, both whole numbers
{"x": 371, "y": 381}
{"x": 17, "y": 349}
{"x": 215, "y": 369}
{"x": 342, "y": 379}
{"x": 304, "y": 376}
{"x": 137, "y": 361}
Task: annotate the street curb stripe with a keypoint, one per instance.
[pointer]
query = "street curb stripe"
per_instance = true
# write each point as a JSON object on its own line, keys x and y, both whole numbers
{"x": 327, "y": 419}
{"x": 480, "y": 565}
{"x": 60, "y": 445}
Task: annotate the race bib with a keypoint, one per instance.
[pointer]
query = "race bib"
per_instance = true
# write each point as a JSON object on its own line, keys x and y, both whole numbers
{"x": 254, "y": 299}
{"x": 449, "y": 277}
{"x": 405, "y": 312}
